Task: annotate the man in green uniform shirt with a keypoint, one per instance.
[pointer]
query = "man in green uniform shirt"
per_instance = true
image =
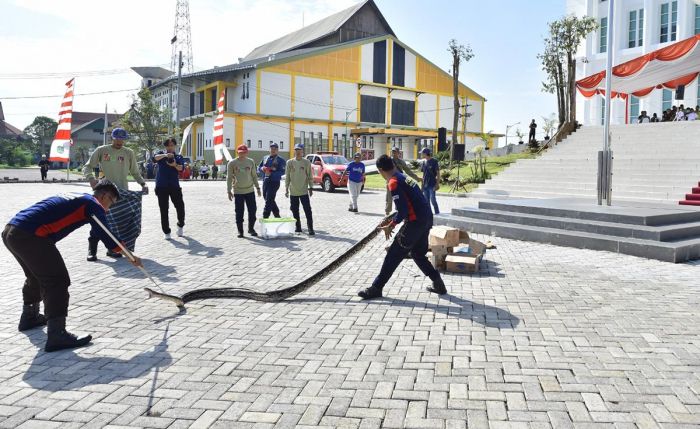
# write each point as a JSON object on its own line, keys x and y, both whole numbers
{"x": 299, "y": 183}
{"x": 402, "y": 167}
{"x": 241, "y": 176}
{"x": 116, "y": 162}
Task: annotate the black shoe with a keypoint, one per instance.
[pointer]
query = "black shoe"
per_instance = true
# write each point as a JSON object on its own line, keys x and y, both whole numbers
{"x": 252, "y": 233}
{"x": 240, "y": 235}
{"x": 369, "y": 293}
{"x": 438, "y": 287}
{"x": 354, "y": 210}
{"x": 92, "y": 250}
{"x": 58, "y": 338}
{"x": 114, "y": 254}
{"x": 31, "y": 318}
{"x": 298, "y": 230}
{"x": 351, "y": 209}
{"x": 311, "y": 232}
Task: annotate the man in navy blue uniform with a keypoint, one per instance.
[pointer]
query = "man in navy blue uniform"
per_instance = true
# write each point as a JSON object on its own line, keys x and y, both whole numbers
{"x": 272, "y": 167}
{"x": 31, "y": 237}
{"x": 412, "y": 209}
{"x": 170, "y": 164}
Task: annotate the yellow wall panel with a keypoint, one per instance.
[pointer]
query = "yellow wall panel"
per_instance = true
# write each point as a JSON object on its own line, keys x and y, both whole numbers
{"x": 342, "y": 64}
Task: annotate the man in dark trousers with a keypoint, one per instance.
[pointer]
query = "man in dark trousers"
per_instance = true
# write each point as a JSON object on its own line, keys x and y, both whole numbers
{"x": 412, "y": 239}
{"x": 170, "y": 164}
{"x": 273, "y": 167}
{"x": 43, "y": 167}
{"x": 403, "y": 168}
{"x": 298, "y": 183}
{"x": 533, "y": 128}
{"x": 31, "y": 237}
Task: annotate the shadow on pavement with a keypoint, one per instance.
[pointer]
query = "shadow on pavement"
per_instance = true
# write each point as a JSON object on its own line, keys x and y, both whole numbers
{"x": 123, "y": 269}
{"x": 67, "y": 370}
{"x": 486, "y": 315}
{"x": 196, "y": 248}
{"x": 325, "y": 236}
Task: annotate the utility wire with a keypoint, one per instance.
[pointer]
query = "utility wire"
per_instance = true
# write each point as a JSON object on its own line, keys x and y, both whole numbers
{"x": 75, "y": 95}
{"x": 55, "y": 75}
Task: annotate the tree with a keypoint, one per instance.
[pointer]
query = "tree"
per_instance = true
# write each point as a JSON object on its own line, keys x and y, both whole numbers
{"x": 459, "y": 53}
{"x": 559, "y": 61}
{"x": 41, "y": 132}
{"x": 147, "y": 123}
{"x": 550, "y": 123}
{"x": 14, "y": 153}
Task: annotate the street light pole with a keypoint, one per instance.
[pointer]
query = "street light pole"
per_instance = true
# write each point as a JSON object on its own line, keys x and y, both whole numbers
{"x": 347, "y": 115}
{"x": 508, "y": 127}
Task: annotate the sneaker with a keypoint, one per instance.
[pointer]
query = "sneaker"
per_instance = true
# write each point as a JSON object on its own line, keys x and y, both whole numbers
{"x": 31, "y": 318}
{"x": 311, "y": 232}
{"x": 350, "y": 209}
{"x": 369, "y": 293}
{"x": 252, "y": 233}
{"x": 114, "y": 254}
{"x": 240, "y": 235}
{"x": 438, "y": 287}
{"x": 180, "y": 232}
{"x": 167, "y": 236}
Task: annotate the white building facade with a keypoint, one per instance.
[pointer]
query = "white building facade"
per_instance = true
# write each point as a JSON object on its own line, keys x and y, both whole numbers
{"x": 639, "y": 27}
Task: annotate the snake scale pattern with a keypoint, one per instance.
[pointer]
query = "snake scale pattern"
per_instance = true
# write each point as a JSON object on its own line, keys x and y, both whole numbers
{"x": 275, "y": 295}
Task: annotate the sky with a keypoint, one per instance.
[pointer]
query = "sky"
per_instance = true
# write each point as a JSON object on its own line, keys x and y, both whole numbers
{"x": 64, "y": 37}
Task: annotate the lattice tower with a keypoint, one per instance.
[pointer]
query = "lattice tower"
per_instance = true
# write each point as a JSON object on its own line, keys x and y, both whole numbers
{"x": 182, "y": 39}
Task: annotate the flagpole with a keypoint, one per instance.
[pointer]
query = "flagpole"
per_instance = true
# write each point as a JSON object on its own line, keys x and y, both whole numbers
{"x": 104, "y": 128}
{"x": 70, "y": 141}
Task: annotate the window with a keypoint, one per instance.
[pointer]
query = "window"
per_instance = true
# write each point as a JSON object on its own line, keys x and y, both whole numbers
{"x": 192, "y": 104}
{"x": 399, "y": 65}
{"x": 371, "y": 142}
{"x": 669, "y": 22}
{"x": 335, "y": 142}
{"x": 634, "y": 110}
{"x": 666, "y": 99}
{"x": 636, "y": 28}
{"x": 228, "y": 143}
{"x": 364, "y": 142}
{"x": 400, "y": 143}
{"x": 602, "y": 111}
{"x": 403, "y": 112}
{"x": 200, "y": 145}
{"x": 373, "y": 109}
{"x": 313, "y": 142}
{"x": 697, "y": 19}
{"x": 271, "y": 142}
{"x": 247, "y": 143}
{"x": 213, "y": 99}
{"x": 281, "y": 144}
{"x": 379, "y": 63}
{"x": 320, "y": 142}
{"x": 302, "y": 137}
{"x": 259, "y": 144}
{"x": 603, "y": 35}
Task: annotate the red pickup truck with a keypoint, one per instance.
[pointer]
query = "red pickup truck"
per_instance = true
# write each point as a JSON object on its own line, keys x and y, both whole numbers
{"x": 328, "y": 170}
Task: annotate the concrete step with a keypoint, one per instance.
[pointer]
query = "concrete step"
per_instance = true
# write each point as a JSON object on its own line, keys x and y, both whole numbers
{"x": 655, "y": 233}
{"x": 677, "y": 251}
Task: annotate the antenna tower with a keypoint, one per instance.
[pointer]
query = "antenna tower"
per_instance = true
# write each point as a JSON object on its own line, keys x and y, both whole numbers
{"x": 182, "y": 40}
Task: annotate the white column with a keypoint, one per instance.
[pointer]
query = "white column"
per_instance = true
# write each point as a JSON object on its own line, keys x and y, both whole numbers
{"x": 686, "y": 16}
{"x": 651, "y": 24}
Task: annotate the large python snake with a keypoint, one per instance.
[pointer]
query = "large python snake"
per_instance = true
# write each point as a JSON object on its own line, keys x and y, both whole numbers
{"x": 275, "y": 295}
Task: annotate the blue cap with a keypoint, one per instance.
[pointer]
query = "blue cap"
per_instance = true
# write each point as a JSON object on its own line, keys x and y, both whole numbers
{"x": 357, "y": 155}
{"x": 273, "y": 144}
{"x": 299, "y": 147}
{"x": 119, "y": 134}
{"x": 426, "y": 150}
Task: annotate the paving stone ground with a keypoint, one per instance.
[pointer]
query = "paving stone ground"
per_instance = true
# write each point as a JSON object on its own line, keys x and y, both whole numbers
{"x": 541, "y": 337}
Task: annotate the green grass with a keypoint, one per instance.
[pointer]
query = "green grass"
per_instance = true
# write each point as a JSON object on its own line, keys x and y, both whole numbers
{"x": 494, "y": 165}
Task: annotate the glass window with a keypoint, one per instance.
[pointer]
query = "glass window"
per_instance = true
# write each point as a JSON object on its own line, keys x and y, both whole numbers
{"x": 371, "y": 142}
{"x": 634, "y": 110}
{"x": 281, "y": 144}
{"x": 636, "y": 28}
{"x": 603, "y": 35}
{"x": 259, "y": 144}
{"x": 697, "y": 19}
{"x": 667, "y": 99}
{"x": 669, "y": 22}
{"x": 364, "y": 142}
{"x": 335, "y": 142}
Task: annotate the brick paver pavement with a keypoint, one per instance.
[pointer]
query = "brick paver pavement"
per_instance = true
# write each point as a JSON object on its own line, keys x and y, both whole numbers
{"x": 542, "y": 337}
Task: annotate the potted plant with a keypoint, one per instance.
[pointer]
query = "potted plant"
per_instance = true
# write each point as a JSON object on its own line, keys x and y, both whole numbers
{"x": 549, "y": 125}
{"x": 520, "y": 135}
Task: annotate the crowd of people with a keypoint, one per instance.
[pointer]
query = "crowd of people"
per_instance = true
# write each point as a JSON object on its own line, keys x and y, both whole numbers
{"x": 114, "y": 214}
{"x": 674, "y": 114}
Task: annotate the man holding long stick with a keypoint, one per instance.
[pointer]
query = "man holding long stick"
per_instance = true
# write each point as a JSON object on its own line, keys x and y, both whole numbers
{"x": 31, "y": 237}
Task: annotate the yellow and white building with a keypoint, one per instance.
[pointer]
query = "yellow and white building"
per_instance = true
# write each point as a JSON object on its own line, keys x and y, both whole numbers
{"x": 343, "y": 80}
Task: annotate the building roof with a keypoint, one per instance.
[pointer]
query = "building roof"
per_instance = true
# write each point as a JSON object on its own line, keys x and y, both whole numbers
{"x": 313, "y": 32}
{"x": 97, "y": 123}
{"x": 153, "y": 72}
{"x": 7, "y": 129}
{"x": 80, "y": 118}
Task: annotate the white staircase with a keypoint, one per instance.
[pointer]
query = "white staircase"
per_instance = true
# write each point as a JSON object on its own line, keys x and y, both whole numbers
{"x": 657, "y": 163}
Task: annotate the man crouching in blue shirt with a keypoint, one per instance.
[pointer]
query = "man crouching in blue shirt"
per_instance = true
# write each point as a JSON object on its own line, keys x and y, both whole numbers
{"x": 31, "y": 237}
{"x": 412, "y": 209}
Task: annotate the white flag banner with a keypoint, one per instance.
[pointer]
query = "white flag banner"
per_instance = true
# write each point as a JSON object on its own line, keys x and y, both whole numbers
{"x": 185, "y": 135}
{"x": 60, "y": 147}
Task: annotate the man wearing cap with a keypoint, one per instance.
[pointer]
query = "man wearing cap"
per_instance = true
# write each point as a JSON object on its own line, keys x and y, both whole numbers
{"x": 431, "y": 178}
{"x": 412, "y": 239}
{"x": 273, "y": 167}
{"x": 356, "y": 172}
{"x": 402, "y": 168}
{"x": 116, "y": 162}
{"x": 31, "y": 237}
{"x": 43, "y": 167}
{"x": 170, "y": 164}
{"x": 298, "y": 184}
{"x": 241, "y": 176}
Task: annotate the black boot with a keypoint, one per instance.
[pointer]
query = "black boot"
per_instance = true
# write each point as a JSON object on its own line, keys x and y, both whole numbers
{"x": 438, "y": 287}
{"x": 251, "y": 228}
{"x": 370, "y": 292}
{"x": 59, "y": 338}
{"x": 240, "y": 230}
{"x": 31, "y": 318}
{"x": 298, "y": 226}
{"x": 310, "y": 225}
{"x": 114, "y": 254}
{"x": 92, "y": 249}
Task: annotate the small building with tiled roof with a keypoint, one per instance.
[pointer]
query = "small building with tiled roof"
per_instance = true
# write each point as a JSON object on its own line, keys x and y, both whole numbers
{"x": 7, "y": 130}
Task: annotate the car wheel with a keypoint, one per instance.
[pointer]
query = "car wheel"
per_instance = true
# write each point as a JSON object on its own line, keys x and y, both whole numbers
{"x": 328, "y": 184}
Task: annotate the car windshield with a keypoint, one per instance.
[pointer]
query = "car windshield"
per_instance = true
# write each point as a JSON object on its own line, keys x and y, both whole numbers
{"x": 335, "y": 159}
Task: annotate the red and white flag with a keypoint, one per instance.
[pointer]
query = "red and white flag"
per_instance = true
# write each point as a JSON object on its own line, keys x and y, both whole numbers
{"x": 60, "y": 147}
{"x": 220, "y": 150}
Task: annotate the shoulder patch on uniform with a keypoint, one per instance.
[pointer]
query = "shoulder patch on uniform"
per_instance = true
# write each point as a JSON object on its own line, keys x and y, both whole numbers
{"x": 393, "y": 184}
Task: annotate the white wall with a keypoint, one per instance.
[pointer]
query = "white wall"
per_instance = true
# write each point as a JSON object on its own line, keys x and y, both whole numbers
{"x": 403, "y": 95}
{"x": 275, "y": 94}
{"x": 427, "y": 103}
{"x": 208, "y": 132}
{"x": 230, "y": 132}
{"x": 257, "y": 130}
{"x": 367, "y": 62}
{"x": 446, "y": 112}
{"x": 240, "y": 105}
{"x": 312, "y": 98}
{"x": 410, "y": 78}
{"x": 474, "y": 121}
{"x": 344, "y": 100}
